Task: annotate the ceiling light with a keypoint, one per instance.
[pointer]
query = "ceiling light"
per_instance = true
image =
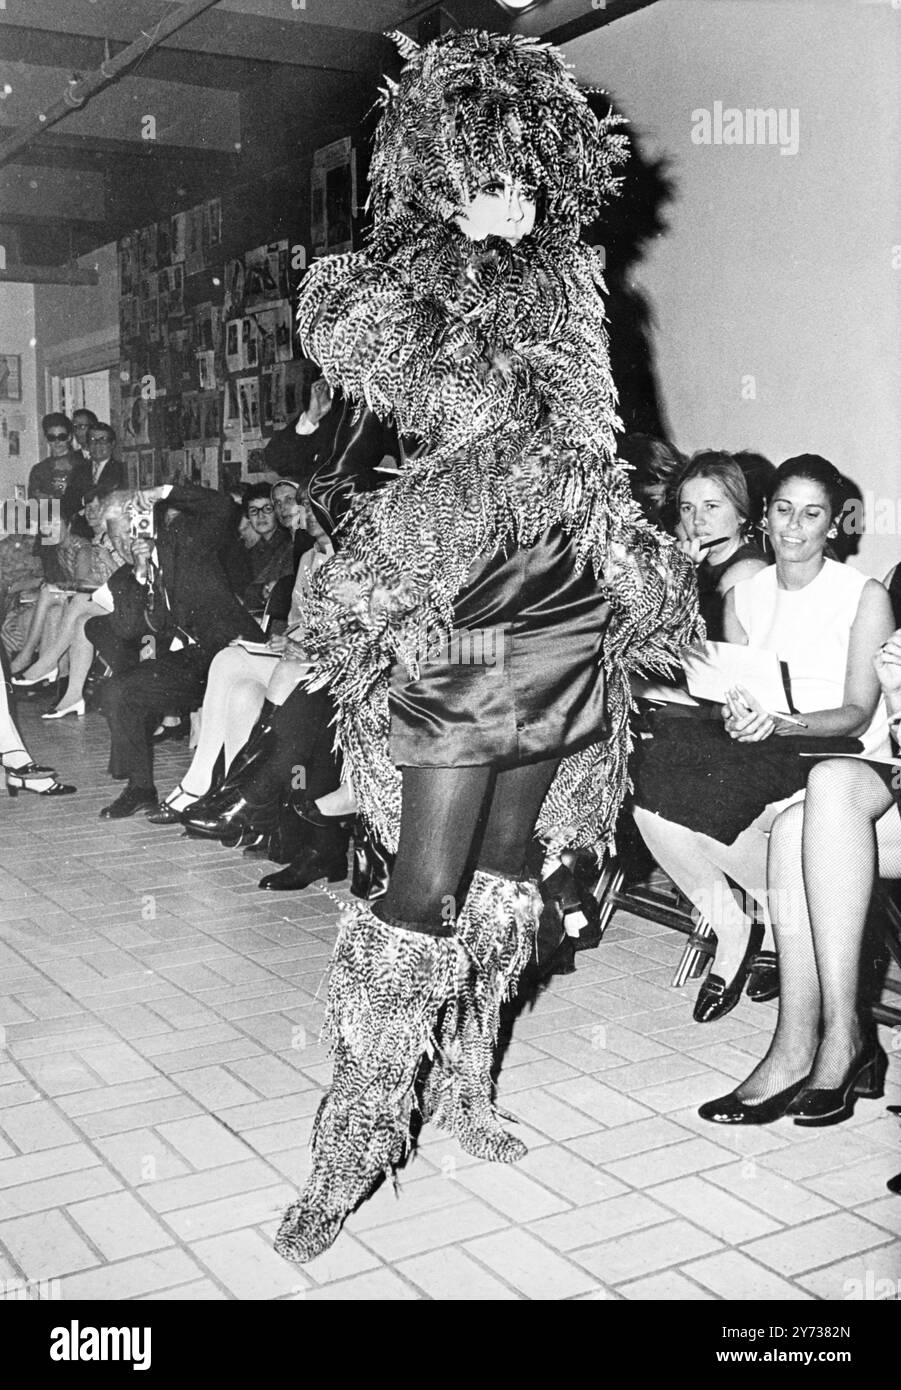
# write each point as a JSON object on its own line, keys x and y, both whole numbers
{"x": 517, "y": 6}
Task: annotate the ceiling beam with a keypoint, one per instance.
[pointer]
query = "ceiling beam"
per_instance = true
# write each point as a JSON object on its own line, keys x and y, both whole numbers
{"x": 64, "y": 150}
{"x": 49, "y": 275}
{"x": 78, "y": 93}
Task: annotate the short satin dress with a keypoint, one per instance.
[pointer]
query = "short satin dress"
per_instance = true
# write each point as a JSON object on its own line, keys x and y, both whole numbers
{"x": 519, "y": 679}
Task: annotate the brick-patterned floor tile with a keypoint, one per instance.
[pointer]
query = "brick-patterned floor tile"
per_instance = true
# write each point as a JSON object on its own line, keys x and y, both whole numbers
{"x": 60, "y": 1075}
{"x": 580, "y": 1183}
{"x": 770, "y": 1192}
{"x": 446, "y": 1226}
{"x": 47, "y": 1193}
{"x": 46, "y": 1245}
{"x": 377, "y": 1286}
{"x": 726, "y": 1217}
{"x": 131, "y": 1278}
{"x": 674, "y": 1161}
{"x": 230, "y": 1213}
{"x": 872, "y": 1275}
{"x": 204, "y": 1142}
{"x": 668, "y": 1286}
{"x": 603, "y": 1221}
{"x": 121, "y": 1119}
{"x": 45, "y": 1164}
{"x": 850, "y": 1186}
{"x": 536, "y": 1271}
{"x": 732, "y": 1275}
{"x": 36, "y": 1126}
{"x": 195, "y": 1189}
{"x": 510, "y": 1192}
{"x": 450, "y": 1275}
{"x": 119, "y": 1226}
{"x": 642, "y": 1137}
{"x": 820, "y": 1242}
{"x": 645, "y": 1251}
{"x": 248, "y": 1266}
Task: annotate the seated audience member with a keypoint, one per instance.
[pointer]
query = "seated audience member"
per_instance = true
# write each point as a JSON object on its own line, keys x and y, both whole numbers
{"x": 47, "y": 483}
{"x": 173, "y": 601}
{"x": 21, "y": 576}
{"x": 240, "y": 682}
{"x": 824, "y": 858}
{"x": 704, "y": 806}
{"x": 306, "y": 442}
{"x": 23, "y": 774}
{"x": 656, "y": 466}
{"x": 92, "y": 565}
{"x": 273, "y": 556}
{"x": 712, "y": 504}
{"x": 99, "y": 470}
{"x": 82, "y": 420}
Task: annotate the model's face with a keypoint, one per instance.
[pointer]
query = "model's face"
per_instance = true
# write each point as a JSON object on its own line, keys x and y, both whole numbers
{"x": 59, "y": 440}
{"x": 497, "y": 207}
{"x": 706, "y": 512}
{"x": 798, "y": 520}
{"x": 261, "y": 514}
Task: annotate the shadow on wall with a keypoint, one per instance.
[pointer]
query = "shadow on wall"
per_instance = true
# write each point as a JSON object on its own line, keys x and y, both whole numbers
{"x": 624, "y": 229}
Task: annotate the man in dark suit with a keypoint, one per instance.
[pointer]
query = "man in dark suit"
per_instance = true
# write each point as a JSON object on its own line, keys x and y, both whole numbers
{"x": 172, "y": 599}
{"x": 306, "y": 442}
{"x": 100, "y": 470}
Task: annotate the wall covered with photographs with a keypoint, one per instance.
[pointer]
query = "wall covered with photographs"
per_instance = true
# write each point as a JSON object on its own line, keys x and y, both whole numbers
{"x": 210, "y": 365}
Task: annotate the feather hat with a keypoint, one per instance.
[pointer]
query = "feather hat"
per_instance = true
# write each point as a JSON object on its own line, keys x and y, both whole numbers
{"x": 474, "y": 104}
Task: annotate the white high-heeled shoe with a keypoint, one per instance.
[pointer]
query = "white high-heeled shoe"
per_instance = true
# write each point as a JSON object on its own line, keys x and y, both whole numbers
{"x": 38, "y": 680}
{"x": 76, "y": 709}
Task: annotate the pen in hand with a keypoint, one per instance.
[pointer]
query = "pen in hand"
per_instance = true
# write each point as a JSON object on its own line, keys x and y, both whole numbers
{"x": 706, "y": 545}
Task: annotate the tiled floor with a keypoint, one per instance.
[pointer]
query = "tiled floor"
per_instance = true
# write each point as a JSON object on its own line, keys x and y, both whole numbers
{"x": 160, "y": 1065}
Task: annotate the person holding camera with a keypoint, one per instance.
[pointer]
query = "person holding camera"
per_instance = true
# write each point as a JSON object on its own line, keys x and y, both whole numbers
{"x": 169, "y": 606}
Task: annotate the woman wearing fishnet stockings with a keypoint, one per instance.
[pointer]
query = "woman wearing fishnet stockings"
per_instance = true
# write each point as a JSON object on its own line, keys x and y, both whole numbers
{"x": 824, "y": 856}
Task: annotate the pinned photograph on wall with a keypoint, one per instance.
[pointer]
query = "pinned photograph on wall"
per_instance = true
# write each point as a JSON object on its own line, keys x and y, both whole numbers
{"x": 231, "y": 414}
{"x": 163, "y": 242}
{"x": 136, "y": 419}
{"x": 147, "y": 248}
{"x": 131, "y": 470}
{"x": 233, "y": 300}
{"x": 194, "y": 260}
{"x": 190, "y": 416}
{"x": 234, "y": 359}
{"x": 231, "y": 468}
{"x": 212, "y": 223}
{"x": 172, "y": 469}
{"x": 177, "y": 290}
{"x": 10, "y": 376}
{"x": 147, "y": 470}
{"x": 256, "y": 460}
{"x": 279, "y": 407}
{"x": 177, "y": 238}
{"x": 266, "y": 401}
{"x": 210, "y": 471}
{"x": 206, "y": 364}
{"x": 266, "y": 273}
{"x": 249, "y": 399}
{"x": 333, "y": 191}
{"x": 128, "y": 267}
{"x": 284, "y": 331}
{"x": 265, "y": 322}
{"x": 250, "y": 343}
{"x": 209, "y": 415}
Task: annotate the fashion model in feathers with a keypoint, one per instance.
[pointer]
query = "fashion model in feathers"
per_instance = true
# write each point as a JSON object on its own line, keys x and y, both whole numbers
{"x": 474, "y": 322}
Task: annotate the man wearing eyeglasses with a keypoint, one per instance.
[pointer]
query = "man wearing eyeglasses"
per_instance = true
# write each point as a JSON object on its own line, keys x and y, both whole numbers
{"x": 47, "y": 483}
{"x": 273, "y": 555}
{"x": 99, "y": 469}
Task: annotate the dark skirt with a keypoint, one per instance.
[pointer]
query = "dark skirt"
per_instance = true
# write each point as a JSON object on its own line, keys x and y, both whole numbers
{"x": 519, "y": 679}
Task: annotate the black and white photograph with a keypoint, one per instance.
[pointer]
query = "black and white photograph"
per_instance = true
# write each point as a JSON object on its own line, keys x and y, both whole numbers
{"x": 451, "y": 593}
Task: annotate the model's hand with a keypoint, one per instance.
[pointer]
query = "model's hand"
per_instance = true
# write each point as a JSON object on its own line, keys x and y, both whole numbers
{"x": 320, "y": 401}
{"x": 745, "y": 718}
{"x": 276, "y": 643}
{"x": 887, "y": 663}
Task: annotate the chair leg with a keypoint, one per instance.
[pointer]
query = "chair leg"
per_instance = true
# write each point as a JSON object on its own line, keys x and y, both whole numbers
{"x": 698, "y": 948}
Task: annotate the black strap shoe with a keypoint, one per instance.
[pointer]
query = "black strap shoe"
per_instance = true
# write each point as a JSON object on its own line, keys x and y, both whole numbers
{"x": 763, "y": 977}
{"x": 715, "y": 997}
{"x": 132, "y": 800}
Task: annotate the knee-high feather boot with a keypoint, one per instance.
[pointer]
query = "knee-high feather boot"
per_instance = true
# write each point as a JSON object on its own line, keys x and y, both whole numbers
{"x": 386, "y": 990}
{"x": 495, "y": 938}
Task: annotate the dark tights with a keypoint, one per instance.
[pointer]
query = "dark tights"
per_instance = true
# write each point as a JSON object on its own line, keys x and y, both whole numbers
{"x": 448, "y": 812}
